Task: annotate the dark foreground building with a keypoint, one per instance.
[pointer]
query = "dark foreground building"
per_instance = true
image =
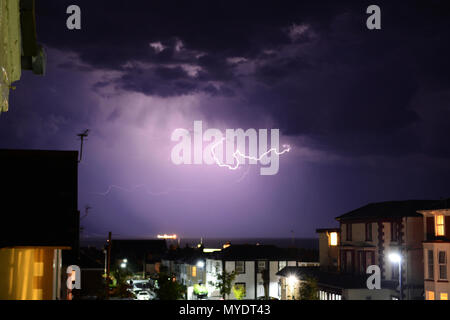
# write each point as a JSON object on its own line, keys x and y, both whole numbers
{"x": 39, "y": 219}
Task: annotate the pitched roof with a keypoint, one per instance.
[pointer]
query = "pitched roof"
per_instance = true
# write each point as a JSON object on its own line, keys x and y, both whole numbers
{"x": 388, "y": 209}
{"x": 138, "y": 248}
{"x": 439, "y": 205}
{"x": 266, "y": 252}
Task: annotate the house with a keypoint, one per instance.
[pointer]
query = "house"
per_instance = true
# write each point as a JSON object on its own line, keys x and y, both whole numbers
{"x": 142, "y": 256}
{"x": 329, "y": 248}
{"x": 39, "y": 191}
{"x": 436, "y": 251}
{"x": 368, "y": 236}
{"x": 256, "y": 268}
{"x": 187, "y": 265}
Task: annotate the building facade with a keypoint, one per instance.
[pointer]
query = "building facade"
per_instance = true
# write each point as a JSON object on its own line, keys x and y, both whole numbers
{"x": 40, "y": 219}
{"x": 436, "y": 250}
{"x": 256, "y": 268}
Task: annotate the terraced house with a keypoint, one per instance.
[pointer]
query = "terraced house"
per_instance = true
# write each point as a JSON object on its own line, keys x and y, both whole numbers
{"x": 436, "y": 250}
{"x": 371, "y": 235}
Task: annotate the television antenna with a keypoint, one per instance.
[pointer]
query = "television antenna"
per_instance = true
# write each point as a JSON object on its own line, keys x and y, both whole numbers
{"x": 82, "y": 136}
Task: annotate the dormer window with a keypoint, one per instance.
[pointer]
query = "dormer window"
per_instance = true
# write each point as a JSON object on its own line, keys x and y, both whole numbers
{"x": 440, "y": 225}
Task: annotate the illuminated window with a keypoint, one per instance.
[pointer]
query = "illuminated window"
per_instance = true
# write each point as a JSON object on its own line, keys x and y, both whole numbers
{"x": 444, "y": 296}
{"x": 194, "y": 271}
{"x": 333, "y": 239}
{"x": 440, "y": 225}
{"x": 430, "y": 295}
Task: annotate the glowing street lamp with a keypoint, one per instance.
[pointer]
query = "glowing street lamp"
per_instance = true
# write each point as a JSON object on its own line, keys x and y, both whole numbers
{"x": 395, "y": 257}
{"x": 123, "y": 265}
{"x": 292, "y": 280}
{"x": 200, "y": 264}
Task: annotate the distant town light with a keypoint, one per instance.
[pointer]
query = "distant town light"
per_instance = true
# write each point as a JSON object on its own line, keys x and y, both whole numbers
{"x": 167, "y": 236}
{"x": 226, "y": 245}
{"x": 395, "y": 257}
{"x": 209, "y": 250}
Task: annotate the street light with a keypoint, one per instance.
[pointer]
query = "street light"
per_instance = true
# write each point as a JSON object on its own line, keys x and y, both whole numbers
{"x": 292, "y": 280}
{"x": 395, "y": 257}
{"x": 200, "y": 264}
{"x": 123, "y": 265}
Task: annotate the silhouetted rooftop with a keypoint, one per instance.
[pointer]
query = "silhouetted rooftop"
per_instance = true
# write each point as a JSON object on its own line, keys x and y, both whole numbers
{"x": 389, "y": 209}
{"x": 267, "y": 252}
{"x": 39, "y": 198}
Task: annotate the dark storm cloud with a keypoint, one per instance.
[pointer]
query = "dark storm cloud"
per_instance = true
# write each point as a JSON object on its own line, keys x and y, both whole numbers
{"x": 317, "y": 71}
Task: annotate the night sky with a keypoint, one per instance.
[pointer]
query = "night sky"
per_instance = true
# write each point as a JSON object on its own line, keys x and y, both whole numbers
{"x": 365, "y": 112}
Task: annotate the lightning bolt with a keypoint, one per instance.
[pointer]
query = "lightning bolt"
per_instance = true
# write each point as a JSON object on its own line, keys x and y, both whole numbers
{"x": 237, "y": 153}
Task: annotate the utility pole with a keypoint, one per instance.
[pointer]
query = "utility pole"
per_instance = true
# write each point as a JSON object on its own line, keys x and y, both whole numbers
{"x": 108, "y": 266}
{"x": 82, "y": 136}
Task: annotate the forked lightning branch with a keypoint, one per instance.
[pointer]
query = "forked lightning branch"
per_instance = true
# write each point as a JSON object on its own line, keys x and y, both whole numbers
{"x": 230, "y": 150}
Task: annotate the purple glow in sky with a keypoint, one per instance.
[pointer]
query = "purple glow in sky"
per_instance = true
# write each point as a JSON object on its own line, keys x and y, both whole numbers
{"x": 365, "y": 113}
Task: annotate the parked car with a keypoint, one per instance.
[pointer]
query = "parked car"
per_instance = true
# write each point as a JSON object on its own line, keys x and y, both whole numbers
{"x": 143, "y": 295}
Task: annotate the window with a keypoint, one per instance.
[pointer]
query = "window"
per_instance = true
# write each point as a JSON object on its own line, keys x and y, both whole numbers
{"x": 439, "y": 225}
{"x": 281, "y": 265}
{"x": 262, "y": 265}
{"x": 333, "y": 239}
{"x": 430, "y": 295}
{"x": 239, "y": 285}
{"x": 394, "y": 231}
{"x": 362, "y": 262}
{"x": 444, "y": 296}
{"x": 239, "y": 267}
{"x": 368, "y": 232}
{"x": 348, "y": 261}
{"x": 321, "y": 295}
{"x": 348, "y": 231}
{"x": 194, "y": 271}
{"x": 395, "y": 270}
{"x": 430, "y": 265}
{"x": 442, "y": 265}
